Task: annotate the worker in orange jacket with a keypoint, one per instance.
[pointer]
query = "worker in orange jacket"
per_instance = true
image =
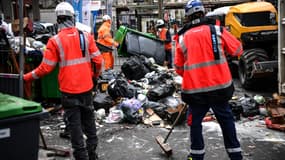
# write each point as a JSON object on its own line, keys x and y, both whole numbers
{"x": 73, "y": 50}
{"x": 200, "y": 58}
{"x": 105, "y": 38}
{"x": 164, "y": 34}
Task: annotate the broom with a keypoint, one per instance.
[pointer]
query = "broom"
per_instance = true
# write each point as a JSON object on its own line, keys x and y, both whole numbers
{"x": 162, "y": 142}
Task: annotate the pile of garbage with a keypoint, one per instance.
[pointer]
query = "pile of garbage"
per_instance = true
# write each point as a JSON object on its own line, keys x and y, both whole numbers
{"x": 141, "y": 92}
{"x": 144, "y": 89}
{"x": 269, "y": 109}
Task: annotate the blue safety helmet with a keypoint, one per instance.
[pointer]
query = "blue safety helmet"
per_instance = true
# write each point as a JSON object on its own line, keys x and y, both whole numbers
{"x": 194, "y": 6}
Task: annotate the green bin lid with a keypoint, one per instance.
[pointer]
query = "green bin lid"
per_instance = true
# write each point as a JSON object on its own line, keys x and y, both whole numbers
{"x": 14, "y": 106}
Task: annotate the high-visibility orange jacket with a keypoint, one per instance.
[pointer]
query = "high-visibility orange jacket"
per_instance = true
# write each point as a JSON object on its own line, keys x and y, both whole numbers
{"x": 105, "y": 36}
{"x": 75, "y": 70}
{"x": 165, "y": 36}
{"x": 200, "y": 58}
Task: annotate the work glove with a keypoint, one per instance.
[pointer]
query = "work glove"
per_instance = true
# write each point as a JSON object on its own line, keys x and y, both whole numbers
{"x": 118, "y": 46}
{"x": 28, "y": 77}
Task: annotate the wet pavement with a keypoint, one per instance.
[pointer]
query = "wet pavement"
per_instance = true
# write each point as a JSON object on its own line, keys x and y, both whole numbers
{"x": 137, "y": 142}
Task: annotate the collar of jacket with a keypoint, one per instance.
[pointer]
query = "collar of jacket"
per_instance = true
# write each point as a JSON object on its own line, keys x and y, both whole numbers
{"x": 66, "y": 24}
{"x": 198, "y": 22}
{"x": 107, "y": 23}
{"x": 67, "y": 28}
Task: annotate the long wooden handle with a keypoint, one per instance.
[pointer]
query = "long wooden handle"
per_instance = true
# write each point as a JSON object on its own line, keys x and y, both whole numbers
{"x": 176, "y": 120}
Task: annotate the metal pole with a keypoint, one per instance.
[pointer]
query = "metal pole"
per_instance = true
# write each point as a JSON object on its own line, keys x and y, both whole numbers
{"x": 160, "y": 9}
{"x": 21, "y": 57}
{"x": 281, "y": 46}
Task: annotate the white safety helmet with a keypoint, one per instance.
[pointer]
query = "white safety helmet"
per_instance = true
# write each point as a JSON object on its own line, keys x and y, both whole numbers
{"x": 106, "y": 17}
{"x": 64, "y": 9}
{"x": 159, "y": 23}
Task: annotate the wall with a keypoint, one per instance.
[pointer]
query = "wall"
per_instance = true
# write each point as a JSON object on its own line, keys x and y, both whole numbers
{"x": 48, "y": 15}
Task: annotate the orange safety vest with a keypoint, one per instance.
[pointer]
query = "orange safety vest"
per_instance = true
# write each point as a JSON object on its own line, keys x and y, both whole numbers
{"x": 200, "y": 58}
{"x": 75, "y": 71}
{"x": 162, "y": 36}
{"x": 104, "y": 35}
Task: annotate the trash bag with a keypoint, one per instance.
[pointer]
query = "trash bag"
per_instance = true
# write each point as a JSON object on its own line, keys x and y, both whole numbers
{"x": 132, "y": 109}
{"x": 108, "y": 75}
{"x": 121, "y": 88}
{"x": 158, "y": 108}
{"x": 103, "y": 100}
{"x": 171, "y": 101}
{"x": 115, "y": 116}
{"x": 134, "y": 68}
{"x": 236, "y": 109}
{"x": 160, "y": 78}
{"x": 249, "y": 106}
{"x": 161, "y": 91}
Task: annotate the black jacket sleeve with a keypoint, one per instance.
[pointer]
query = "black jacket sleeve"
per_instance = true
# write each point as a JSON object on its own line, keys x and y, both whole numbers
{"x": 168, "y": 37}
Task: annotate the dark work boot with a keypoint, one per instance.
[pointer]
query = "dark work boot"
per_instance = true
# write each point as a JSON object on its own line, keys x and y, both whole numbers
{"x": 81, "y": 154}
{"x": 93, "y": 156}
{"x": 92, "y": 153}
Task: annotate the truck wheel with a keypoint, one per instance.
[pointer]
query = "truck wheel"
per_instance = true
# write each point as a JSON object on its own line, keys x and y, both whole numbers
{"x": 245, "y": 66}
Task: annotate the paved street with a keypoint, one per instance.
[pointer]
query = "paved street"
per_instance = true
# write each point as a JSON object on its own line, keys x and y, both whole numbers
{"x": 137, "y": 142}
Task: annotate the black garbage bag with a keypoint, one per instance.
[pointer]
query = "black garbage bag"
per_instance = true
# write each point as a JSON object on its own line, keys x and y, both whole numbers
{"x": 108, "y": 75}
{"x": 158, "y": 108}
{"x": 171, "y": 101}
{"x": 121, "y": 88}
{"x": 237, "y": 109}
{"x": 160, "y": 78}
{"x": 249, "y": 106}
{"x": 103, "y": 100}
{"x": 134, "y": 68}
{"x": 160, "y": 91}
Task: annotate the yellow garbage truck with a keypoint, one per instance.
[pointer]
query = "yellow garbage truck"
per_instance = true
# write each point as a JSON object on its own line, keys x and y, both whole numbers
{"x": 255, "y": 24}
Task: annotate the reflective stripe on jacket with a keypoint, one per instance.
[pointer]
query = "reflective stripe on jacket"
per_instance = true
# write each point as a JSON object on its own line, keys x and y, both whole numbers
{"x": 75, "y": 70}
{"x": 105, "y": 36}
{"x": 200, "y": 58}
{"x": 167, "y": 38}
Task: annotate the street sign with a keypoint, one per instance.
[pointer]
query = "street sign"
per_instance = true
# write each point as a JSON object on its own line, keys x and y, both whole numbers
{"x": 95, "y": 5}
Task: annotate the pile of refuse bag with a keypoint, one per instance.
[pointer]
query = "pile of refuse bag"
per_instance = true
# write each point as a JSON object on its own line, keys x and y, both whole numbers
{"x": 269, "y": 109}
{"x": 35, "y": 39}
{"x": 246, "y": 106}
{"x": 141, "y": 84}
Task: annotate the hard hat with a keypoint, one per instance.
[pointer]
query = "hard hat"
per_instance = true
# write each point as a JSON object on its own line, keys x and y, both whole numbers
{"x": 194, "y": 6}
{"x": 106, "y": 17}
{"x": 159, "y": 23}
{"x": 64, "y": 9}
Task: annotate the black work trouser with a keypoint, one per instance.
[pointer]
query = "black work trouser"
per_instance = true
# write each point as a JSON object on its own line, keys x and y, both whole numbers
{"x": 168, "y": 58}
{"x": 79, "y": 114}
